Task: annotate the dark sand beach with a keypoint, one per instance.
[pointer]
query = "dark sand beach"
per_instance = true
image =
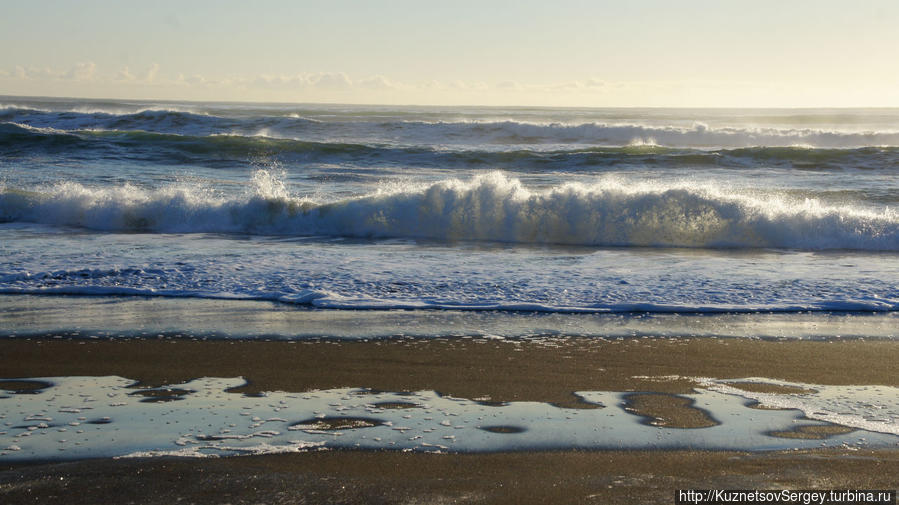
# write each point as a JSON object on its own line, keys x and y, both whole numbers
{"x": 354, "y": 477}
{"x": 545, "y": 370}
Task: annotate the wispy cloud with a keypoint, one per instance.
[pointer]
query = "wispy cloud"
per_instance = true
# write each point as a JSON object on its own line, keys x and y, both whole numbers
{"x": 151, "y": 72}
{"x": 124, "y": 75}
{"x": 82, "y": 71}
{"x": 156, "y": 81}
{"x": 320, "y": 81}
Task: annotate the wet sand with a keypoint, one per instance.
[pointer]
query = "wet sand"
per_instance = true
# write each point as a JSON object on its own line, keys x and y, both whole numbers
{"x": 546, "y": 370}
{"x": 606, "y": 477}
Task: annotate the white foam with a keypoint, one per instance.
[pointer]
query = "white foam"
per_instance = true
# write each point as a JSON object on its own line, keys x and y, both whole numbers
{"x": 623, "y": 134}
{"x": 491, "y": 207}
{"x": 293, "y": 446}
{"x": 46, "y": 130}
{"x": 170, "y": 118}
{"x": 870, "y": 408}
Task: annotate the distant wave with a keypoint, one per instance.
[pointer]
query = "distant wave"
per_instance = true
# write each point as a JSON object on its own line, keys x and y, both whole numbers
{"x": 416, "y": 132}
{"x": 74, "y": 120}
{"x": 156, "y": 120}
{"x": 16, "y": 136}
{"x": 697, "y": 136}
{"x": 169, "y": 147}
{"x": 492, "y": 207}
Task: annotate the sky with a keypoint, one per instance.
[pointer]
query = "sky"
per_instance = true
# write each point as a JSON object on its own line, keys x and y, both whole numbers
{"x": 686, "y": 53}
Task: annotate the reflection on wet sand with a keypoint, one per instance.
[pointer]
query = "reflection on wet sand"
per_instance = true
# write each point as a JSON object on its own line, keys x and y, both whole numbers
{"x": 78, "y": 417}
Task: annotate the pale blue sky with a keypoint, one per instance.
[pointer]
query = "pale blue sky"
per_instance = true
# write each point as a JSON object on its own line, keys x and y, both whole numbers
{"x": 592, "y": 53}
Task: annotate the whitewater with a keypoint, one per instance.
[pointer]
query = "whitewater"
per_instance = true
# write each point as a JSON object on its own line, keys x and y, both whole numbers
{"x": 513, "y": 209}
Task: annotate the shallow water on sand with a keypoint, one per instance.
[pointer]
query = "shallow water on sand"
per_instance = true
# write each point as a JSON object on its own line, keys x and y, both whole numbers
{"x": 78, "y": 417}
{"x": 94, "y": 317}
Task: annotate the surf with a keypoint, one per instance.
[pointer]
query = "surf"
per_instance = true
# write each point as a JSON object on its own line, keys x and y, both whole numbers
{"x": 494, "y": 207}
{"x": 173, "y": 148}
{"x": 403, "y": 130}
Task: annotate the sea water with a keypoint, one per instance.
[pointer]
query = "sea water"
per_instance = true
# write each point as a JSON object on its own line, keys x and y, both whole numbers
{"x": 305, "y": 221}
{"x": 480, "y": 209}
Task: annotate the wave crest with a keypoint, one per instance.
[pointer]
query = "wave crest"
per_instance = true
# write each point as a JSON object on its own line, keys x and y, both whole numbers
{"x": 400, "y": 131}
{"x": 697, "y": 136}
{"x": 491, "y": 207}
{"x": 173, "y": 148}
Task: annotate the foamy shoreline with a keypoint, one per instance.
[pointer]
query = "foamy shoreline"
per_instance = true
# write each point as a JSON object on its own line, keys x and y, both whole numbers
{"x": 135, "y": 316}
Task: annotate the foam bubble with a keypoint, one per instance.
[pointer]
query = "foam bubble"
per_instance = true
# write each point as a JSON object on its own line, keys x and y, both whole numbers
{"x": 870, "y": 408}
{"x": 490, "y": 207}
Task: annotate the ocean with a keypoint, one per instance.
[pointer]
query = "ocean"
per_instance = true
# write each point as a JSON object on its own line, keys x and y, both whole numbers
{"x": 512, "y": 209}
{"x": 367, "y": 222}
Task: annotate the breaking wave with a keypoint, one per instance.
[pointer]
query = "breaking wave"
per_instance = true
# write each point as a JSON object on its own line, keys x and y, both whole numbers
{"x": 404, "y": 131}
{"x": 697, "y": 136}
{"x": 491, "y": 207}
{"x": 175, "y": 148}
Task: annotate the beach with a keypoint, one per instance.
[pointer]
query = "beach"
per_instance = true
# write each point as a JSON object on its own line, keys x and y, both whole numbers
{"x": 315, "y": 303}
{"x": 547, "y": 370}
{"x": 364, "y": 477}
{"x": 542, "y": 370}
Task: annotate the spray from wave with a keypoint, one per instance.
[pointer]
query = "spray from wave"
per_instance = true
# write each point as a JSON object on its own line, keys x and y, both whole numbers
{"x": 697, "y": 136}
{"x": 400, "y": 131}
{"x": 139, "y": 145}
{"x": 491, "y": 207}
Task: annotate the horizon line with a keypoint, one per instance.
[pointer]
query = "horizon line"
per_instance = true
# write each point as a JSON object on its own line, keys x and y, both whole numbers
{"x": 520, "y": 106}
